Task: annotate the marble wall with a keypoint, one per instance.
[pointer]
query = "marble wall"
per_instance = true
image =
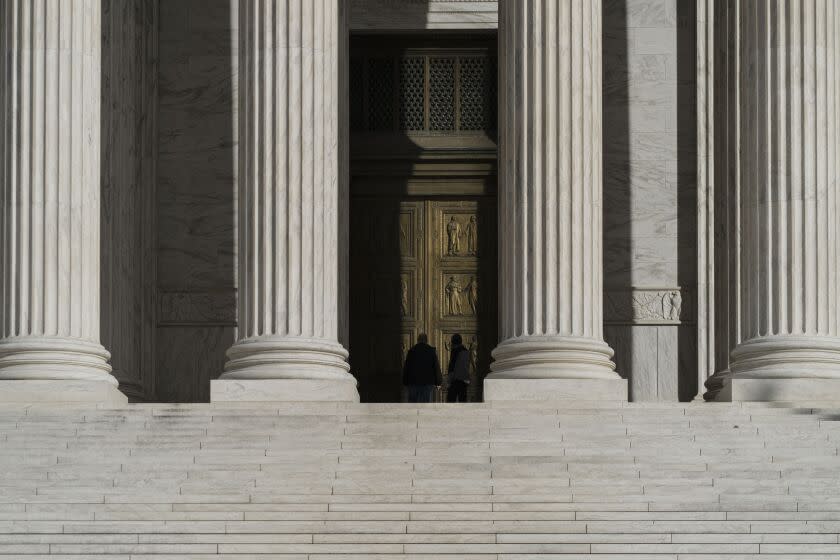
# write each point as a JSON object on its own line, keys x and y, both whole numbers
{"x": 650, "y": 193}
{"x": 196, "y": 194}
{"x": 129, "y": 146}
{"x": 412, "y": 15}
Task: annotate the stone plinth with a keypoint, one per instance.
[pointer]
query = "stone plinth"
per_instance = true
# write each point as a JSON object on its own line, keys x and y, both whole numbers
{"x": 792, "y": 390}
{"x": 534, "y": 389}
{"x": 283, "y": 390}
{"x": 61, "y": 391}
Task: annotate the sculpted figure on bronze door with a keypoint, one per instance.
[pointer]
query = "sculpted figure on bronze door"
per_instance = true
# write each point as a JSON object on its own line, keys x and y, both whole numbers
{"x": 403, "y": 298}
{"x": 453, "y": 296}
{"x": 453, "y": 232}
{"x": 471, "y": 290}
{"x": 472, "y": 237}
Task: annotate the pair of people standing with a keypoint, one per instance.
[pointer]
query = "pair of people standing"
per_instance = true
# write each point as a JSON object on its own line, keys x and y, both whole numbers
{"x": 421, "y": 372}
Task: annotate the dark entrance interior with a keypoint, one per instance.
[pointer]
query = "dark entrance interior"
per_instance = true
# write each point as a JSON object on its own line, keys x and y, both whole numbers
{"x": 423, "y": 234}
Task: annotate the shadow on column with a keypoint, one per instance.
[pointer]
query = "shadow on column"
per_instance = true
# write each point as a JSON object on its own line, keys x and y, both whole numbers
{"x": 195, "y": 198}
{"x": 128, "y": 146}
{"x": 617, "y": 199}
{"x": 687, "y": 194}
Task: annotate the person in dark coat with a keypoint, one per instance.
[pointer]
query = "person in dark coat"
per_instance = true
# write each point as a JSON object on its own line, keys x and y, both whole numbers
{"x": 459, "y": 370}
{"x": 421, "y": 373}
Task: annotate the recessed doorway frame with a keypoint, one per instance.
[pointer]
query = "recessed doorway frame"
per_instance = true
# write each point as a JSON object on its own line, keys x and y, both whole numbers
{"x": 425, "y": 165}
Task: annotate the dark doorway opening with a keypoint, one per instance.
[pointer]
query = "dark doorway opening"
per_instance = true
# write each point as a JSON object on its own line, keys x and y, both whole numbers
{"x": 423, "y": 219}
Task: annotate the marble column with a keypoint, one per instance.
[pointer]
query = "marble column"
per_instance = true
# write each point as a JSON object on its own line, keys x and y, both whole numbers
{"x": 288, "y": 321}
{"x": 550, "y": 213}
{"x": 784, "y": 141}
{"x": 49, "y": 171}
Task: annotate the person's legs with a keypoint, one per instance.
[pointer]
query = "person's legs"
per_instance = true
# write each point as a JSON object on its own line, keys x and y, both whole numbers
{"x": 412, "y": 393}
{"x": 457, "y": 392}
{"x": 428, "y": 391}
{"x": 462, "y": 392}
{"x": 451, "y": 393}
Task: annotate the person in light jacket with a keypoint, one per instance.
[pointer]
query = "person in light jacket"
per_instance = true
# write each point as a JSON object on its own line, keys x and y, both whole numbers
{"x": 459, "y": 370}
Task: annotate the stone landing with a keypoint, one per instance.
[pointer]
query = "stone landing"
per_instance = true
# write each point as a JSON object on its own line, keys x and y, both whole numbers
{"x": 60, "y": 392}
{"x": 319, "y": 481}
{"x": 571, "y": 391}
{"x": 283, "y": 390}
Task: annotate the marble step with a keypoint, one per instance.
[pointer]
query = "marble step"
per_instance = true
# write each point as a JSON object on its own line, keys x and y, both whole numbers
{"x": 396, "y": 481}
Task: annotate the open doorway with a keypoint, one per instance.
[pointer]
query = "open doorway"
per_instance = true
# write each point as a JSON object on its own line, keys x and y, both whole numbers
{"x": 423, "y": 225}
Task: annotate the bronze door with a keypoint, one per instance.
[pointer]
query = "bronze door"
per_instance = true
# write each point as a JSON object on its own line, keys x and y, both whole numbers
{"x": 420, "y": 265}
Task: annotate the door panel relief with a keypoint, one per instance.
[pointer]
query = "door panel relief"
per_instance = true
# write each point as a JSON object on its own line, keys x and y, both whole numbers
{"x": 420, "y": 266}
{"x": 462, "y": 269}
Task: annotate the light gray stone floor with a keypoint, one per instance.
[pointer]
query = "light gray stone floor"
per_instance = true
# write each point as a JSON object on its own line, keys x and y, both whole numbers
{"x": 507, "y": 481}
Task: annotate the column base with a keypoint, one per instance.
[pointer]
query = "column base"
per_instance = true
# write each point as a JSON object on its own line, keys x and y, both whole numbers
{"x": 287, "y": 357}
{"x": 520, "y": 389}
{"x": 553, "y": 357}
{"x": 555, "y": 368}
{"x": 61, "y": 391}
{"x": 783, "y": 368}
{"x": 285, "y": 369}
{"x": 54, "y": 359}
{"x": 787, "y": 356}
{"x": 283, "y": 390}
{"x": 799, "y": 389}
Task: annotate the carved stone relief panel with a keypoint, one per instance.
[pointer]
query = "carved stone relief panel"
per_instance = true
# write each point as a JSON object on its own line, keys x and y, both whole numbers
{"x": 651, "y": 306}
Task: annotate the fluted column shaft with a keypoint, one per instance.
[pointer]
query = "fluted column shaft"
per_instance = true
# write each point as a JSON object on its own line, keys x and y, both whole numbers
{"x": 289, "y": 192}
{"x": 550, "y": 192}
{"x": 49, "y": 175}
{"x": 785, "y": 141}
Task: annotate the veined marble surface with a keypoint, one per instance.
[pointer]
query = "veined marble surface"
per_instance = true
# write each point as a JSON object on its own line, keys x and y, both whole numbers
{"x": 649, "y": 193}
{"x": 416, "y": 15}
{"x": 129, "y": 156}
{"x": 196, "y": 193}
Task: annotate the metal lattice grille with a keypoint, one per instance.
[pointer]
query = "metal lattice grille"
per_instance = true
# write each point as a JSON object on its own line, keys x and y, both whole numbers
{"x": 357, "y": 94}
{"x": 412, "y": 78}
{"x": 423, "y": 94}
{"x": 380, "y": 93}
{"x": 478, "y": 93}
{"x": 441, "y": 94}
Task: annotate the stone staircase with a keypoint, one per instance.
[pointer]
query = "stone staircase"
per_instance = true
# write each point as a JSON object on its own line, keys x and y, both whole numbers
{"x": 501, "y": 481}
